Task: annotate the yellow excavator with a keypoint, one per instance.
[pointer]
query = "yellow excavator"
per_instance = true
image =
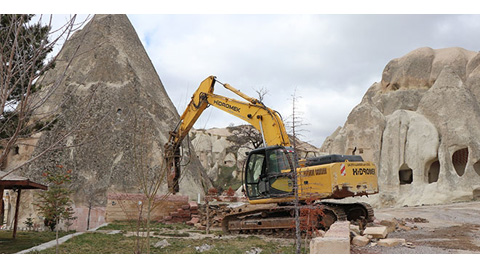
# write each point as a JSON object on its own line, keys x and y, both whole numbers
{"x": 270, "y": 172}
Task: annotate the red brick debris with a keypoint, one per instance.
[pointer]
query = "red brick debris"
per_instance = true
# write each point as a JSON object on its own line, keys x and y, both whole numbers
{"x": 188, "y": 214}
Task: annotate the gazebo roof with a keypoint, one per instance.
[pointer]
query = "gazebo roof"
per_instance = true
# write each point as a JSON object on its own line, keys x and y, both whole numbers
{"x": 12, "y": 181}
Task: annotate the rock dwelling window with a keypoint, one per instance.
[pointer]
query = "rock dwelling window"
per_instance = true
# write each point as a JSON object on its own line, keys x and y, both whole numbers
{"x": 16, "y": 150}
{"x": 476, "y": 166}
{"x": 433, "y": 172}
{"x": 405, "y": 174}
{"x": 459, "y": 161}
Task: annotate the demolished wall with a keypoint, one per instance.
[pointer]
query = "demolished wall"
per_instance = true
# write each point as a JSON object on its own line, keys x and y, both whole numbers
{"x": 424, "y": 128}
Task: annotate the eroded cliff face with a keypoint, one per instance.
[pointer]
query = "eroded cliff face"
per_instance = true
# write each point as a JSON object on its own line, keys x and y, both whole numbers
{"x": 423, "y": 129}
{"x": 222, "y": 152}
{"x": 114, "y": 100}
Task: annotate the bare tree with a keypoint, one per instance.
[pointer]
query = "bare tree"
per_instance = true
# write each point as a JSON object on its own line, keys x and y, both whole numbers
{"x": 244, "y": 135}
{"x": 150, "y": 175}
{"x": 24, "y": 52}
{"x": 261, "y": 93}
{"x": 93, "y": 197}
{"x": 295, "y": 124}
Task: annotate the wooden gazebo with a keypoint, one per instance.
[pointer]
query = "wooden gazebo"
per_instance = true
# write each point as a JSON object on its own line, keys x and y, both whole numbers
{"x": 17, "y": 183}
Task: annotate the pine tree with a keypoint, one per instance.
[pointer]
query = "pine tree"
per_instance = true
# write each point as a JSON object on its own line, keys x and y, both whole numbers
{"x": 21, "y": 45}
{"x": 24, "y": 47}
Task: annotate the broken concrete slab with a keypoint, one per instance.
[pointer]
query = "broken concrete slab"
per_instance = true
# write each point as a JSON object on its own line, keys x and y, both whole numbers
{"x": 355, "y": 229}
{"x": 339, "y": 229}
{"x": 376, "y": 232}
{"x": 391, "y": 225}
{"x": 335, "y": 241}
{"x": 360, "y": 241}
{"x": 330, "y": 245}
{"x": 391, "y": 242}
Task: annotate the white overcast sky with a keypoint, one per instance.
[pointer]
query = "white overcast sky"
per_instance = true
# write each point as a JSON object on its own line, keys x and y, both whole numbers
{"x": 330, "y": 60}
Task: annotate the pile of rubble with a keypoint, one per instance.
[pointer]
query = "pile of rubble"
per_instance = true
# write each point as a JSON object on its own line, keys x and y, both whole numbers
{"x": 186, "y": 214}
{"x": 377, "y": 233}
{"x": 197, "y": 215}
{"x": 342, "y": 235}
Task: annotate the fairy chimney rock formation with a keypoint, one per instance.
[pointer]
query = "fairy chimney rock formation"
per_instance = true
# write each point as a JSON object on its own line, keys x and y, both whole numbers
{"x": 114, "y": 101}
{"x": 424, "y": 130}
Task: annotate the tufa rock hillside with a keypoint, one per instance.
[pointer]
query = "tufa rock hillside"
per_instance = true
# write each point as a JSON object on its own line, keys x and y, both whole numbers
{"x": 421, "y": 126}
{"x": 114, "y": 98}
{"x": 222, "y": 152}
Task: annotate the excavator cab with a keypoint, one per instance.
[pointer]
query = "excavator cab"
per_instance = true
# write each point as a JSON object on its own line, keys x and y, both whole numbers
{"x": 269, "y": 172}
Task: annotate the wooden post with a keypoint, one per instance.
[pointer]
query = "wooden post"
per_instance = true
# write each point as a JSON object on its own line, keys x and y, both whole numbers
{"x": 2, "y": 206}
{"x": 15, "y": 222}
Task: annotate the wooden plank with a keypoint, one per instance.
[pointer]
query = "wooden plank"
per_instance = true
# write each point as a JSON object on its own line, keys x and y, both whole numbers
{"x": 15, "y": 223}
{"x": 24, "y": 184}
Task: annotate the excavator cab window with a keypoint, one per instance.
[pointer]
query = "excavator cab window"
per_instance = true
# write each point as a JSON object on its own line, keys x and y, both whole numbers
{"x": 277, "y": 161}
{"x": 255, "y": 167}
{"x": 268, "y": 173}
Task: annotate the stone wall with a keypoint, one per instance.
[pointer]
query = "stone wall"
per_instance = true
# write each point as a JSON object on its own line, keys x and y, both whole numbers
{"x": 122, "y": 206}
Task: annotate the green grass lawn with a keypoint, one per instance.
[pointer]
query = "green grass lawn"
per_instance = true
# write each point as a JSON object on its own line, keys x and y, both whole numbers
{"x": 179, "y": 237}
{"x": 99, "y": 243}
{"x": 25, "y": 240}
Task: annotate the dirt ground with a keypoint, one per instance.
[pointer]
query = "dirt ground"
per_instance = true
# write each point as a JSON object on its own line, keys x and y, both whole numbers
{"x": 451, "y": 228}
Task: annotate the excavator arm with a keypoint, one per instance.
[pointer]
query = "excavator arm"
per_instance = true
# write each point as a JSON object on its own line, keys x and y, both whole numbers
{"x": 253, "y": 111}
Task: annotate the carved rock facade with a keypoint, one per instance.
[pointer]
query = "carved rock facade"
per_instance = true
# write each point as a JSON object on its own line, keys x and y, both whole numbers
{"x": 421, "y": 126}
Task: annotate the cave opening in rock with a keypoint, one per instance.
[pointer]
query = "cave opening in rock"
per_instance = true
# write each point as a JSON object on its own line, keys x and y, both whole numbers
{"x": 433, "y": 172}
{"x": 405, "y": 174}
{"x": 459, "y": 161}
{"x": 476, "y": 166}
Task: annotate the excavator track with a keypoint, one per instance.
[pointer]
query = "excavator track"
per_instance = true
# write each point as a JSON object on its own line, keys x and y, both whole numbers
{"x": 279, "y": 221}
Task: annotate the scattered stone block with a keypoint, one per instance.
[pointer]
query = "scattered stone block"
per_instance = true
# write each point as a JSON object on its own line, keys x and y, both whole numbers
{"x": 360, "y": 241}
{"x": 193, "y": 221}
{"x": 254, "y": 251}
{"x": 319, "y": 233}
{"x": 376, "y": 232}
{"x": 404, "y": 228}
{"x": 162, "y": 244}
{"x": 193, "y": 205}
{"x": 355, "y": 229}
{"x": 335, "y": 241}
{"x": 391, "y": 225}
{"x": 391, "y": 242}
{"x": 330, "y": 245}
{"x": 339, "y": 229}
{"x": 204, "y": 247}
